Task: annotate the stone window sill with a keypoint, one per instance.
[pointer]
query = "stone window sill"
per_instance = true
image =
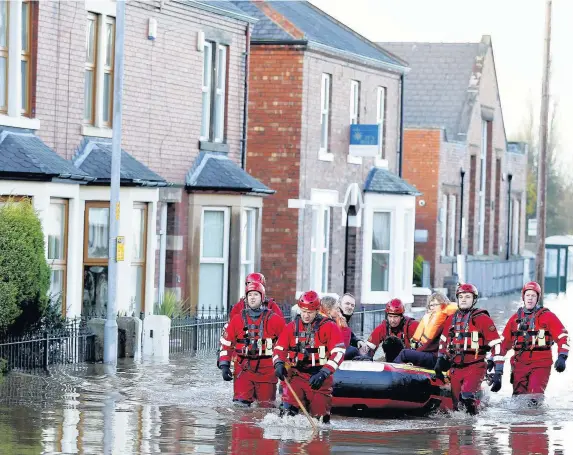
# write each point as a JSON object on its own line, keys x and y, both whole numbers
{"x": 94, "y": 131}
{"x": 325, "y": 156}
{"x": 207, "y": 146}
{"x": 20, "y": 122}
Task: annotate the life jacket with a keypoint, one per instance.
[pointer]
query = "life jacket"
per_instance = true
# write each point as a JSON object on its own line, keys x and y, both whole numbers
{"x": 528, "y": 335}
{"x": 463, "y": 341}
{"x": 253, "y": 345}
{"x": 431, "y": 324}
{"x": 308, "y": 351}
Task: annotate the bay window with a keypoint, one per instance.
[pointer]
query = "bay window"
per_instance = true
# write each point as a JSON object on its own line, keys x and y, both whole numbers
{"x": 320, "y": 246}
{"x": 380, "y": 264}
{"x": 57, "y": 240}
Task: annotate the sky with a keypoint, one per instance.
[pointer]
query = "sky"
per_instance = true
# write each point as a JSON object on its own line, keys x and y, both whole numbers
{"x": 517, "y": 31}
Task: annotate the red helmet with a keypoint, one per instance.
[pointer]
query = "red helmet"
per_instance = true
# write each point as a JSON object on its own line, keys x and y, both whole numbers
{"x": 257, "y": 287}
{"x": 309, "y": 300}
{"x": 395, "y": 306}
{"x": 255, "y": 277}
{"x": 531, "y": 286}
{"x": 466, "y": 287}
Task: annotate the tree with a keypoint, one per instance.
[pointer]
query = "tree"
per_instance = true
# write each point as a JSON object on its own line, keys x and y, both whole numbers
{"x": 24, "y": 271}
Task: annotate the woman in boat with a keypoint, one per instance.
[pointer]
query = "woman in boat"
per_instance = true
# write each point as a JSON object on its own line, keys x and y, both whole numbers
{"x": 426, "y": 339}
{"x": 329, "y": 308}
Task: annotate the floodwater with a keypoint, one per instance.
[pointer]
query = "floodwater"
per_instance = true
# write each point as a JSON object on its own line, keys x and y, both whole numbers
{"x": 182, "y": 406}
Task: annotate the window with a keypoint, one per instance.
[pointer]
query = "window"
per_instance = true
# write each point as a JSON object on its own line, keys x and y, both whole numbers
{"x": 248, "y": 237}
{"x": 516, "y": 218}
{"x": 138, "y": 257}
{"x": 380, "y": 117}
{"x": 214, "y": 262}
{"x": 407, "y": 276}
{"x": 443, "y": 224}
{"x": 214, "y": 91}
{"x": 96, "y": 256}
{"x": 15, "y": 57}
{"x": 452, "y": 227}
{"x": 319, "y": 248}
{"x": 380, "y": 272}
{"x": 354, "y": 102}
{"x": 483, "y": 182}
{"x": 57, "y": 239}
{"x": 325, "y": 87}
{"x": 99, "y": 68}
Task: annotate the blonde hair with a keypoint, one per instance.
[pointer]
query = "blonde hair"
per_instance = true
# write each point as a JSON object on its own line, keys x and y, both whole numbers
{"x": 441, "y": 298}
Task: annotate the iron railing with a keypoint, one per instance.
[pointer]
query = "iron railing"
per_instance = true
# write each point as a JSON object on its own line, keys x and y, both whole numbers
{"x": 72, "y": 343}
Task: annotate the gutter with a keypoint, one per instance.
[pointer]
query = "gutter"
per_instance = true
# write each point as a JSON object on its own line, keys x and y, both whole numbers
{"x": 246, "y": 100}
{"x": 229, "y": 190}
{"x": 279, "y": 42}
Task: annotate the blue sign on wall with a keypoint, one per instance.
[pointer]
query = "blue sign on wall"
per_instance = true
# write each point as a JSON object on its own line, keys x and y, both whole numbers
{"x": 364, "y": 140}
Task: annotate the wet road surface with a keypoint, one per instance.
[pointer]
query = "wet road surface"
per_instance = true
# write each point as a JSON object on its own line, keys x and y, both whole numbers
{"x": 182, "y": 406}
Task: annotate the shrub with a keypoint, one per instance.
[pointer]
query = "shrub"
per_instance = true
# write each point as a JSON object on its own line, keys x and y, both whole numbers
{"x": 172, "y": 306}
{"x": 24, "y": 271}
{"x": 418, "y": 267}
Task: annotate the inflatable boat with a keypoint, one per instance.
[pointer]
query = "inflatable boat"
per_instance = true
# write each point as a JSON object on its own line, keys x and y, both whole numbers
{"x": 366, "y": 385}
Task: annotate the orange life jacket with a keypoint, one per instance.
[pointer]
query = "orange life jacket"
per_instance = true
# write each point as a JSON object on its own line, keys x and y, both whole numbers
{"x": 432, "y": 323}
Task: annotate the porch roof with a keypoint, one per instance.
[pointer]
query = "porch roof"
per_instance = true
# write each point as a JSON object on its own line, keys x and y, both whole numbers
{"x": 214, "y": 171}
{"x": 383, "y": 181}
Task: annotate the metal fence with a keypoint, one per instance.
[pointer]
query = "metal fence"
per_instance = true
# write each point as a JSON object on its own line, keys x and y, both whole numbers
{"x": 69, "y": 344}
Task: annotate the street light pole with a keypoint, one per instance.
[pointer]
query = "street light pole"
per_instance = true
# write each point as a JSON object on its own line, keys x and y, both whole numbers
{"x": 110, "y": 331}
{"x": 542, "y": 165}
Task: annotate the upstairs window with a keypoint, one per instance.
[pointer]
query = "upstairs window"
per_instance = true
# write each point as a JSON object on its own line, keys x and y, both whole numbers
{"x": 214, "y": 92}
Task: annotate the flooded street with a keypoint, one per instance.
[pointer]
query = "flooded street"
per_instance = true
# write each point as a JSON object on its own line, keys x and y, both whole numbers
{"x": 183, "y": 406}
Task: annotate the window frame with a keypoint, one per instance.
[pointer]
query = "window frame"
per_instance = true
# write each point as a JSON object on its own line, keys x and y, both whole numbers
{"x": 325, "y": 112}
{"x": 62, "y": 264}
{"x": 372, "y": 251}
{"x": 88, "y": 66}
{"x": 515, "y": 228}
{"x": 108, "y": 69}
{"x": 26, "y": 56}
{"x": 408, "y": 260}
{"x": 444, "y": 225}
{"x": 354, "y": 102}
{"x": 482, "y": 189}
{"x": 321, "y": 254}
{"x": 253, "y": 249}
{"x": 142, "y": 262}
{"x": 452, "y": 207}
{"x": 86, "y": 259}
{"x": 381, "y": 102}
{"x": 216, "y": 128}
{"x": 224, "y": 260}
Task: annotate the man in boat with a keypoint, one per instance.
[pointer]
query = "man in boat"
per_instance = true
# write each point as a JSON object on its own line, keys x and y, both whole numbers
{"x": 426, "y": 339}
{"x": 347, "y": 305}
{"x": 250, "y": 337}
{"x": 530, "y": 333}
{"x": 313, "y": 346}
{"x": 469, "y": 334}
{"x": 394, "y": 333}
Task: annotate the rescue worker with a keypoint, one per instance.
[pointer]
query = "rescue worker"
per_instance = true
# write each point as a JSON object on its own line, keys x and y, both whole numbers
{"x": 313, "y": 346}
{"x": 468, "y": 335}
{"x": 267, "y": 303}
{"x": 394, "y": 333}
{"x": 251, "y": 337}
{"x": 530, "y": 333}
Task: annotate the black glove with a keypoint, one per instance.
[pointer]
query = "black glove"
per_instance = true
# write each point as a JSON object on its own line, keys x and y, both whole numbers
{"x": 490, "y": 365}
{"x": 560, "y": 363}
{"x": 317, "y": 380}
{"x": 392, "y": 346}
{"x": 442, "y": 364}
{"x": 226, "y": 372}
{"x": 496, "y": 378}
{"x": 280, "y": 371}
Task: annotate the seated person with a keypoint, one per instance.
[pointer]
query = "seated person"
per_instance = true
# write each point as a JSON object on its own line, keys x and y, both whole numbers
{"x": 330, "y": 309}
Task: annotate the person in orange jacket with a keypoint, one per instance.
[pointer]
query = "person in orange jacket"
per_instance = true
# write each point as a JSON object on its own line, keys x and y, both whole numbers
{"x": 469, "y": 334}
{"x": 531, "y": 332}
{"x": 249, "y": 341}
{"x": 313, "y": 346}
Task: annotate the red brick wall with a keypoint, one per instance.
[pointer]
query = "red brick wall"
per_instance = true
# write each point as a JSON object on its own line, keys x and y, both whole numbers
{"x": 421, "y": 169}
{"x": 273, "y": 157}
{"x": 472, "y": 208}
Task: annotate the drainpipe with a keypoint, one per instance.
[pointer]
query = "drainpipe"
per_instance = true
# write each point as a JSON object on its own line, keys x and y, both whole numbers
{"x": 509, "y": 178}
{"x": 462, "y": 175}
{"x": 246, "y": 100}
{"x": 162, "y": 251}
{"x": 401, "y": 145}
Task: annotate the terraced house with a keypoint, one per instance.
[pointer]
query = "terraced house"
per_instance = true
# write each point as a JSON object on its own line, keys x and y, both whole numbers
{"x": 190, "y": 214}
{"x": 311, "y": 81}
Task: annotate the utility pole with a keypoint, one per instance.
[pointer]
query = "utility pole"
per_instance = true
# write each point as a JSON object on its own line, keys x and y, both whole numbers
{"x": 542, "y": 165}
{"x": 110, "y": 331}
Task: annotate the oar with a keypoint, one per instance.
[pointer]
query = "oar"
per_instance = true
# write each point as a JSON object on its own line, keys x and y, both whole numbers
{"x": 314, "y": 427}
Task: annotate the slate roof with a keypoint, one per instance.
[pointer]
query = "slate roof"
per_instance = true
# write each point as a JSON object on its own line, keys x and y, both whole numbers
{"x": 24, "y": 154}
{"x": 436, "y": 88}
{"x": 316, "y": 26}
{"x": 215, "y": 171}
{"x": 383, "y": 181}
{"x": 95, "y": 160}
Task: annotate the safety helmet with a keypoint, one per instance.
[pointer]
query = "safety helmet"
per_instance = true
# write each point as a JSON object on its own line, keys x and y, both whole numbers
{"x": 257, "y": 287}
{"x": 309, "y": 300}
{"x": 467, "y": 287}
{"x": 255, "y": 277}
{"x": 395, "y": 306}
{"x": 531, "y": 286}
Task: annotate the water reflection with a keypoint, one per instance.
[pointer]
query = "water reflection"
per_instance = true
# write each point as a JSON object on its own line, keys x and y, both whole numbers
{"x": 183, "y": 407}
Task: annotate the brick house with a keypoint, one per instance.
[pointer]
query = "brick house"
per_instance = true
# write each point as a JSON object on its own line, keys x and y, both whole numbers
{"x": 456, "y": 153}
{"x": 189, "y": 212}
{"x": 311, "y": 78}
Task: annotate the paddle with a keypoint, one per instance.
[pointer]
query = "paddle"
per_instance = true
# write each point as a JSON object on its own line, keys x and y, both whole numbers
{"x": 299, "y": 402}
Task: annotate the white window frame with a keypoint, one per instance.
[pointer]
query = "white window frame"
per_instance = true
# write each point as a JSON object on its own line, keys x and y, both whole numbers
{"x": 13, "y": 115}
{"x": 206, "y": 88}
{"x": 482, "y": 188}
{"x": 381, "y": 94}
{"x": 516, "y": 218}
{"x": 253, "y": 249}
{"x": 215, "y": 126}
{"x": 354, "y": 111}
{"x": 443, "y": 225}
{"x": 318, "y": 248}
{"x": 220, "y": 91}
{"x": 452, "y": 225}
{"x": 408, "y": 260}
{"x": 368, "y": 294}
{"x": 225, "y": 259}
{"x": 325, "y": 89}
